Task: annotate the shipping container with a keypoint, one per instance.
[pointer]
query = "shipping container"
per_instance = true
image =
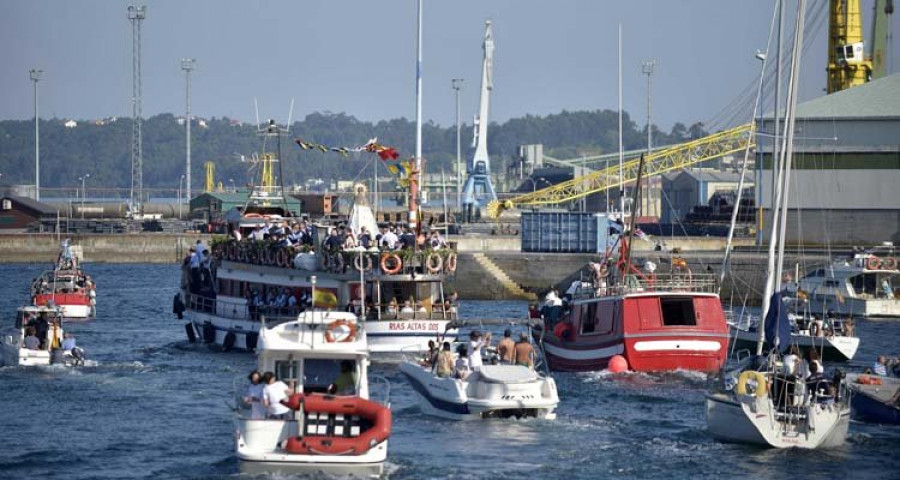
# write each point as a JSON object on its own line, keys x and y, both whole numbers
{"x": 568, "y": 232}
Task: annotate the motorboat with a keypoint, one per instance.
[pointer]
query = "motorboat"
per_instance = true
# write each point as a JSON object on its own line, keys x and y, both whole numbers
{"x": 54, "y": 347}
{"x": 398, "y": 291}
{"x": 655, "y": 321}
{"x": 864, "y": 285}
{"x": 66, "y": 286}
{"x": 876, "y": 398}
{"x": 493, "y": 391}
{"x": 343, "y": 432}
{"x": 832, "y": 338}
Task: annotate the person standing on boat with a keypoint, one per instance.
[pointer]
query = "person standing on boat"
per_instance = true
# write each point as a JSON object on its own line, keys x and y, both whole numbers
{"x": 389, "y": 239}
{"x": 365, "y": 238}
{"x": 506, "y": 348}
{"x": 273, "y": 393}
{"x": 31, "y": 342}
{"x": 41, "y": 327}
{"x": 524, "y": 351}
{"x": 345, "y": 383}
{"x": 476, "y": 343}
{"x": 254, "y": 396}
{"x": 194, "y": 264}
{"x": 880, "y": 367}
{"x": 461, "y": 368}
{"x": 444, "y": 362}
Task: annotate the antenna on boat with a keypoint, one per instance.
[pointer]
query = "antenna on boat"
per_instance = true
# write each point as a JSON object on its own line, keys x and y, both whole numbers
{"x": 256, "y": 108}
{"x": 287, "y": 126}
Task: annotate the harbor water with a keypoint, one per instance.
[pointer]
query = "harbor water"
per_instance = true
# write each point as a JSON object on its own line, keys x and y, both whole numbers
{"x": 152, "y": 405}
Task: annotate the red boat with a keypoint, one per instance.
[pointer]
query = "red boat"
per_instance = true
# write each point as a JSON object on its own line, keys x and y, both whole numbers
{"x": 66, "y": 286}
{"x": 657, "y": 322}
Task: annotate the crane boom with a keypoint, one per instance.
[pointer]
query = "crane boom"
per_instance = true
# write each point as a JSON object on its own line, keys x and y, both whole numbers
{"x": 673, "y": 158}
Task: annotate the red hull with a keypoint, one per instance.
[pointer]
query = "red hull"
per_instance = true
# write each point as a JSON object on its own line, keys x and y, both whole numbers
{"x": 654, "y": 332}
{"x": 62, "y": 299}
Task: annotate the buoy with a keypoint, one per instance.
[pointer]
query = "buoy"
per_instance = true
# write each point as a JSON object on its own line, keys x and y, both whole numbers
{"x": 617, "y": 364}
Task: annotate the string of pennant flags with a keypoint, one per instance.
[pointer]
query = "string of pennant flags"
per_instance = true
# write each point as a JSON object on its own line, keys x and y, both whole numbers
{"x": 386, "y": 154}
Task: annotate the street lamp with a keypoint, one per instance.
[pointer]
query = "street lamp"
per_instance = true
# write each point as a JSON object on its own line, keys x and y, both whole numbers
{"x": 233, "y": 188}
{"x": 83, "y": 193}
{"x": 457, "y": 85}
{"x": 35, "y": 77}
{"x": 187, "y": 64}
{"x": 761, "y": 56}
{"x": 180, "y": 199}
{"x": 534, "y": 182}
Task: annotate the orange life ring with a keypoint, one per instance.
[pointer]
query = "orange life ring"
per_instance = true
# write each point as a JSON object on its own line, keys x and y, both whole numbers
{"x": 434, "y": 262}
{"x": 873, "y": 263}
{"x": 890, "y": 263}
{"x": 450, "y": 264}
{"x": 377, "y": 414}
{"x": 337, "y": 324}
{"x": 252, "y": 215}
{"x": 395, "y": 260}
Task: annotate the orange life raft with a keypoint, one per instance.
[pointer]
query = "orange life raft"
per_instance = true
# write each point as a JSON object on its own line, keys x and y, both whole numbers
{"x": 376, "y": 413}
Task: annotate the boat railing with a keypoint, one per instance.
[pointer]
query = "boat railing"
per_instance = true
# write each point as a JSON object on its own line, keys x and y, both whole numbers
{"x": 660, "y": 282}
{"x": 381, "y": 392}
{"x": 240, "y": 310}
{"x": 390, "y": 311}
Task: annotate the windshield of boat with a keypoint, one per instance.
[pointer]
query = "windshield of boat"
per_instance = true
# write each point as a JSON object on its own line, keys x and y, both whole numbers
{"x": 321, "y": 373}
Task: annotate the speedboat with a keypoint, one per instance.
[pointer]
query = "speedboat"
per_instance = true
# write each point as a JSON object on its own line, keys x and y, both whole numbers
{"x": 490, "y": 392}
{"x": 876, "y": 399}
{"x": 66, "y": 286}
{"x": 336, "y": 434}
{"x": 865, "y": 285}
{"x": 49, "y": 350}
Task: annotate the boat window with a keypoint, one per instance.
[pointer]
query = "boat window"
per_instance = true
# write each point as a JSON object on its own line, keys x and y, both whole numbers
{"x": 817, "y": 273}
{"x": 320, "y": 373}
{"x": 588, "y": 317}
{"x": 864, "y": 284}
{"x": 286, "y": 370}
{"x": 606, "y": 314}
{"x": 678, "y": 311}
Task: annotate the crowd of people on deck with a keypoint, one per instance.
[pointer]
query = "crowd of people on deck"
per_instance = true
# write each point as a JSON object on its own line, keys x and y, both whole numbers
{"x": 470, "y": 356}
{"x": 885, "y": 366}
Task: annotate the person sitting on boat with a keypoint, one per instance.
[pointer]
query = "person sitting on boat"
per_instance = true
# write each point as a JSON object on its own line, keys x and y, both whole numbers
{"x": 880, "y": 366}
{"x": 31, "y": 342}
{"x": 812, "y": 357}
{"x": 445, "y": 362}
{"x": 307, "y": 234}
{"x": 524, "y": 351}
{"x": 41, "y": 327}
{"x": 506, "y": 348}
{"x": 437, "y": 242}
{"x": 349, "y": 240}
{"x": 533, "y": 311}
{"x": 365, "y": 238}
{"x": 461, "y": 368}
{"x": 407, "y": 307}
{"x": 291, "y": 301}
{"x": 476, "y": 343}
{"x": 254, "y": 396}
{"x": 333, "y": 242}
{"x": 407, "y": 239}
{"x": 345, "y": 383}
{"x": 817, "y": 385}
{"x": 391, "y": 311}
{"x": 273, "y": 393}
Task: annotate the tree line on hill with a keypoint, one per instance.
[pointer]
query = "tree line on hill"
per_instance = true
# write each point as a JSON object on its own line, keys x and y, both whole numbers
{"x": 103, "y": 149}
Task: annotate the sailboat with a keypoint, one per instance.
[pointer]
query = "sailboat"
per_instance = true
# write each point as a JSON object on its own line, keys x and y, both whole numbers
{"x": 768, "y": 405}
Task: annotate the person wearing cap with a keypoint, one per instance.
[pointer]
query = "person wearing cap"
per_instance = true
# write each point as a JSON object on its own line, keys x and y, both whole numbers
{"x": 506, "y": 348}
{"x": 476, "y": 343}
{"x": 524, "y": 351}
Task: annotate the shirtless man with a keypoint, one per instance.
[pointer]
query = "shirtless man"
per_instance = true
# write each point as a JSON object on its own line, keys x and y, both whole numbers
{"x": 506, "y": 348}
{"x": 524, "y": 351}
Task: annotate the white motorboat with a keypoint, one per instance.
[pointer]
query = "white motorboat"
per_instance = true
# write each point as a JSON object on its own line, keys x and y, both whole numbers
{"x": 48, "y": 348}
{"x": 338, "y": 434}
{"x": 492, "y": 391}
{"x": 866, "y": 285}
{"x": 832, "y": 338}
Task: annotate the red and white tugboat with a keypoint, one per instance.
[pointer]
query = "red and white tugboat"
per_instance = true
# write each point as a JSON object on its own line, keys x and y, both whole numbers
{"x": 656, "y": 322}
{"x": 66, "y": 286}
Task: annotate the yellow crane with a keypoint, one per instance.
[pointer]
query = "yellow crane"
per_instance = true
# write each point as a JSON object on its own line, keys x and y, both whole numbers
{"x": 672, "y": 158}
{"x": 848, "y": 65}
{"x": 210, "y": 176}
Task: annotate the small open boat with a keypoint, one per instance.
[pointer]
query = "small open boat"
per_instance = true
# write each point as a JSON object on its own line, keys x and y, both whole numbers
{"x": 37, "y": 338}
{"x": 875, "y": 399}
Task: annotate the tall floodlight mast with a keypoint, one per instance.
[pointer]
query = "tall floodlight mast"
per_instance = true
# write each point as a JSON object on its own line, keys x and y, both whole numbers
{"x": 187, "y": 64}
{"x": 136, "y": 15}
{"x": 479, "y": 190}
{"x": 36, "y": 77}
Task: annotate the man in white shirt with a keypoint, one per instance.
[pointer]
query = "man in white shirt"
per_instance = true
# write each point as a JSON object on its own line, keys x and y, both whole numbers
{"x": 389, "y": 239}
{"x": 274, "y": 392}
{"x": 476, "y": 342}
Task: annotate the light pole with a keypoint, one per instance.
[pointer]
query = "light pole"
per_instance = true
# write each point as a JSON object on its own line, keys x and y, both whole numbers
{"x": 36, "y": 77}
{"x": 761, "y": 56}
{"x": 83, "y": 193}
{"x": 534, "y": 183}
{"x": 180, "y": 198}
{"x": 187, "y": 64}
{"x": 233, "y": 188}
{"x": 647, "y": 69}
{"x": 457, "y": 85}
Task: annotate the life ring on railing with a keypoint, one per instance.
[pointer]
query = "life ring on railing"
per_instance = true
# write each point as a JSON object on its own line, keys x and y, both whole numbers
{"x": 761, "y": 387}
{"x": 434, "y": 262}
{"x": 362, "y": 263}
{"x": 335, "y": 334}
{"x": 450, "y": 264}
{"x": 873, "y": 263}
{"x": 391, "y": 263}
{"x": 889, "y": 263}
{"x": 252, "y": 215}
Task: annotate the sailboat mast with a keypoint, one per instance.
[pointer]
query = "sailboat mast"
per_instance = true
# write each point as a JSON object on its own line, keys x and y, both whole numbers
{"x": 417, "y": 169}
{"x": 621, "y": 143}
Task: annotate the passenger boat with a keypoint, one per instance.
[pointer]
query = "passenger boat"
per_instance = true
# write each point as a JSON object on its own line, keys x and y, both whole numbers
{"x": 876, "y": 399}
{"x": 657, "y": 322}
{"x": 334, "y": 434}
{"x": 50, "y": 350}
{"x": 493, "y": 391}
{"x": 833, "y": 338}
{"x": 866, "y": 285}
{"x": 66, "y": 286}
{"x": 399, "y": 292}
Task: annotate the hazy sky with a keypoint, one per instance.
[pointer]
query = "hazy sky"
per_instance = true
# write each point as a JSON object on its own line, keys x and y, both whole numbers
{"x": 358, "y": 56}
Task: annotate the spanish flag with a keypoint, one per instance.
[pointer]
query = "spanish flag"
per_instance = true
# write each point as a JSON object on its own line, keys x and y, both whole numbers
{"x": 325, "y": 299}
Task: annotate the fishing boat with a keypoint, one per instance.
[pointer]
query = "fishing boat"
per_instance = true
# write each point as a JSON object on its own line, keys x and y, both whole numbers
{"x": 864, "y": 285}
{"x": 833, "y": 338}
{"x": 37, "y": 338}
{"x": 492, "y": 391}
{"x": 335, "y": 432}
{"x": 876, "y": 399}
{"x": 66, "y": 286}
{"x": 399, "y": 292}
{"x": 766, "y": 401}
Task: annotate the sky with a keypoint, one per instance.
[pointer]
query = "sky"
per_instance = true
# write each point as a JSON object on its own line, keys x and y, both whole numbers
{"x": 358, "y": 56}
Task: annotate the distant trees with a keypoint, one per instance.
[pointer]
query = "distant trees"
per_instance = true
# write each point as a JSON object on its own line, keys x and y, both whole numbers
{"x": 104, "y": 150}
